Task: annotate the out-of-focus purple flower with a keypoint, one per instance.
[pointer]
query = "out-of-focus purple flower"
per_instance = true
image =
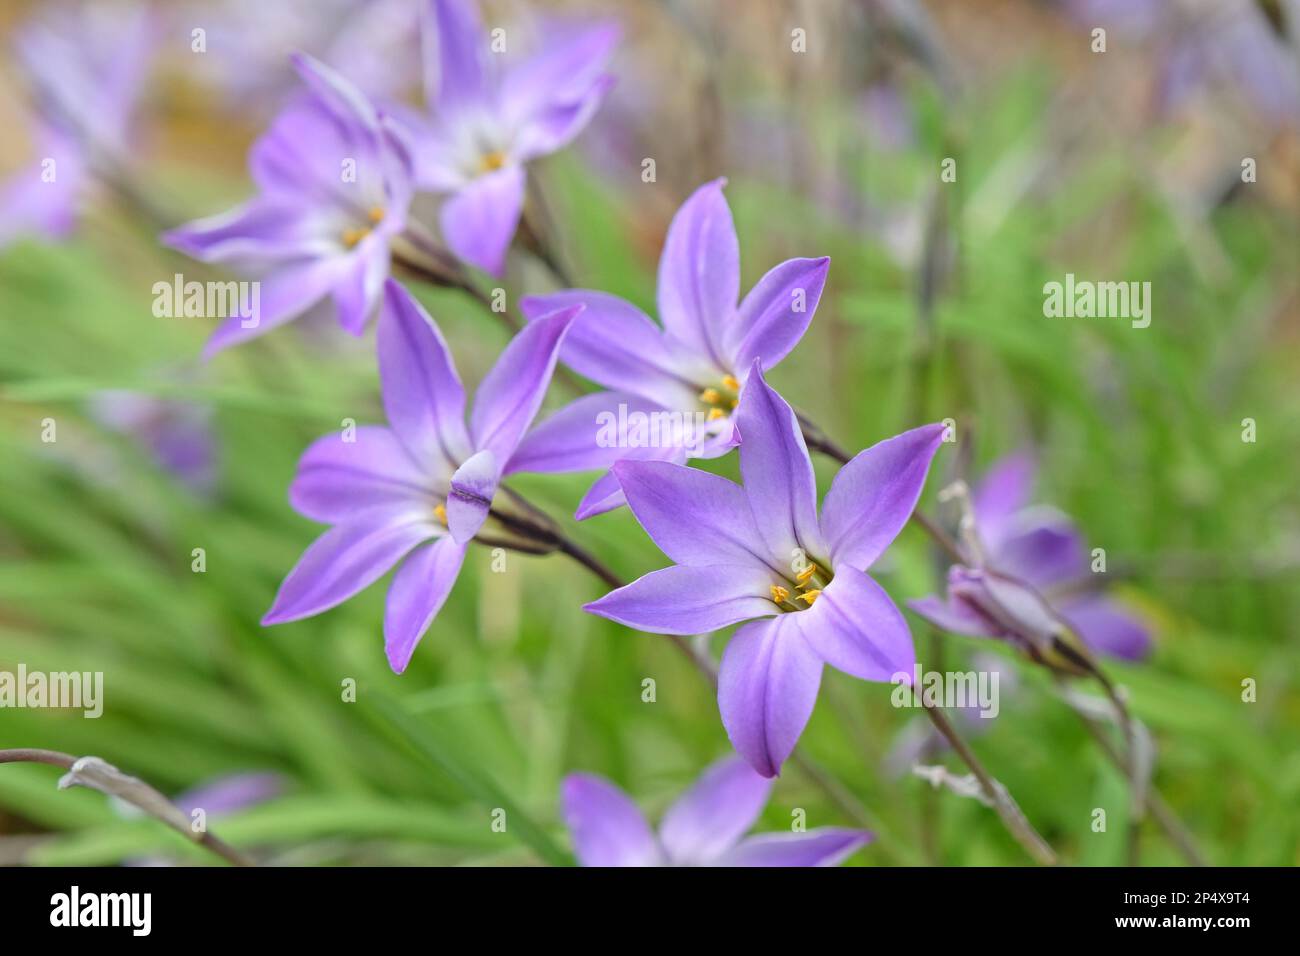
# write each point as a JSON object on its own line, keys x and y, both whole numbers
{"x": 177, "y": 434}
{"x": 416, "y": 492}
{"x": 705, "y": 827}
{"x": 675, "y": 387}
{"x": 1033, "y": 577}
{"x": 374, "y": 43}
{"x": 761, "y": 551}
{"x": 85, "y": 66}
{"x": 223, "y": 796}
{"x": 486, "y": 123}
{"x": 335, "y": 186}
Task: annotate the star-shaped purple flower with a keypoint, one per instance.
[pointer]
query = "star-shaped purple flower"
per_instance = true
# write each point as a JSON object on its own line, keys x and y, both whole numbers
{"x": 762, "y": 552}
{"x": 486, "y": 123}
{"x": 705, "y": 827}
{"x": 675, "y": 387}
{"x": 1034, "y": 561}
{"x": 417, "y": 491}
{"x": 335, "y": 181}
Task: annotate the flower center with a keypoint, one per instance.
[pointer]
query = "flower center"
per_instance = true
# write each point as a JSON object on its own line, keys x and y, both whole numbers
{"x": 721, "y": 399}
{"x": 354, "y": 234}
{"x": 808, "y": 583}
{"x": 490, "y": 162}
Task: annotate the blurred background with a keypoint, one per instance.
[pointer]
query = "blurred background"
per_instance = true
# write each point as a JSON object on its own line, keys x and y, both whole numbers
{"x": 1127, "y": 164}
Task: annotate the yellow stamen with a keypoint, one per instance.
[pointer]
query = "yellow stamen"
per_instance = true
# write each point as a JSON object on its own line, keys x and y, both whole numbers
{"x": 376, "y": 214}
{"x": 441, "y": 512}
{"x": 806, "y": 573}
{"x": 715, "y": 414}
{"x": 710, "y": 396}
{"x": 811, "y": 596}
{"x": 779, "y": 594}
{"x": 352, "y": 236}
{"x": 730, "y": 382}
{"x": 492, "y": 161}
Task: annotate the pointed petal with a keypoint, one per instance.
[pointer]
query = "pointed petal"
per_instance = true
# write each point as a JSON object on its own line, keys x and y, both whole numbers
{"x": 826, "y": 846}
{"x": 423, "y": 396}
{"x": 356, "y": 296}
{"x": 1042, "y": 546}
{"x": 570, "y": 60}
{"x": 699, "y": 272}
{"x": 715, "y": 813}
{"x": 553, "y": 128}
{"x": 607, "y": 827}
{"x": 336, "y": 93}
{"x": 777, "y": 471}
{"x": 339, "y": 480}
{"x": 344, "y": 560}
{"x": 419, "y": 590}
{"x": 773, "y": 317}
{"x": 680, "y": 600}
{"x": 472, "y": 488}
{"x": 615, "y": 344}
{"x": 1107, "y": 627}
{"x": 954, "y": 616}
{"x": 767, "y": 688}
{"x": 856, "y": 628}
{"x": 454, "y": 49}
{"x": 257, "y": 235}
{"x": 585, "y": 434}
{"x": 604, "y": 495}
{"x": 695, "y": 518}
{"x": 512, "y": 391}
{"x": 479, "y": 221}
{"x": 282, "y": 297}
{"x": 1007, "y": 488}
{"x": 874, "y": 495}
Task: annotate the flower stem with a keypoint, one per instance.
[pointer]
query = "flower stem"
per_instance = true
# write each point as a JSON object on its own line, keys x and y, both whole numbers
{"x": 1013, "y": 818}
{"x": 137, "y": 792}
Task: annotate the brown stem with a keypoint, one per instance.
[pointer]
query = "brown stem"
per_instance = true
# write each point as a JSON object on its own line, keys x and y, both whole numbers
{"x": 65, "y": 761}
{"x": 1013, "y": 818}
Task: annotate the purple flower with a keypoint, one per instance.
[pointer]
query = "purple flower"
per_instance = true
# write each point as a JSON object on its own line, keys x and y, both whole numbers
{"x": 222, "y": 796}
{"x": 762, "y": 551}
{"x": 486, "y": 124}
{"x": 1029, "y": 581}
{"x": 704, "y": 827}
{"x": 177, "y": 434}
{"x": 335, "y": 185}
{"x": 416, "y": 492}
{"x": 86, "y": 67}
{"x": 672, "y": 389}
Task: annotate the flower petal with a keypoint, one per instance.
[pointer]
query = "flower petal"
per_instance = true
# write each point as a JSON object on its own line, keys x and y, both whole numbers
{"x": 954, "y": 616}
{"x": 423, "y": 396}
{"x": 874, "y": 495}
{"x": 454, "y": 41}
{"x": 356, "y": 296}
{"x": 615, "y": 344}
{"x": 777, "y": 471}
{"x": 712, "y": 816}
{"x": 570, "y": 60}
{"x": 1006, "y": 489}
{"x": 338, "y": 480}
{"x": 479, "y": 220}
{"x": 1042, "y": 546}
{"x": 681, "y": 600}
{"x": 699, "y": 272}
{"x": 607, "y": 827}
{"x": 605, "y": 494}
{"x": 472, "y": 488}
{"x": 1107, "y": 627}
{"x": 767, "y": 688}
{"x": 282, "y": 297}
{"x": 555, "y": 127}
{"x": 773, "y": 317}
{"x": 856, "y": 628}
{"x": 695, "y": 518}
{"x": 588, "y": 434}
{"x": 419, "y": 590}
{"x": 344, "y": 560}
{"x": 826, "y": 846}
{"x": 511, "y": 393}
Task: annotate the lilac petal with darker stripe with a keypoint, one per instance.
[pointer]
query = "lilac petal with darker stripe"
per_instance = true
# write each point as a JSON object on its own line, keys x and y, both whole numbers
{"x": 856, "y": 628}
{"x": 689, "y": 600}
{"x": 419, "y": 589}
{"x": 341, "y": 476}
{"x": 607, "y": 827}
{"x": 711, "y": 817}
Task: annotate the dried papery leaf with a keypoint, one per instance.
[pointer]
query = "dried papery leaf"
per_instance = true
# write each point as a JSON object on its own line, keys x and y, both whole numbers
{"x": 97, "y": 774}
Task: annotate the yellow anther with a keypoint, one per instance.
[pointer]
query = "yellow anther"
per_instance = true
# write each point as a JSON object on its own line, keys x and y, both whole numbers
{"x": 441, "y": 512}
{"x": 779, "y": 594}
{"x": 492, "y": 161}
{"x": 806, "y": 573}
{"x": 729, "y": 381}
{"x": 376, "y": 214}
{"x": 715, "y": 414}
{"x": 352, "y": 236}
{"x": 710, "y": 396}
{"x": 811, "y": 595}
